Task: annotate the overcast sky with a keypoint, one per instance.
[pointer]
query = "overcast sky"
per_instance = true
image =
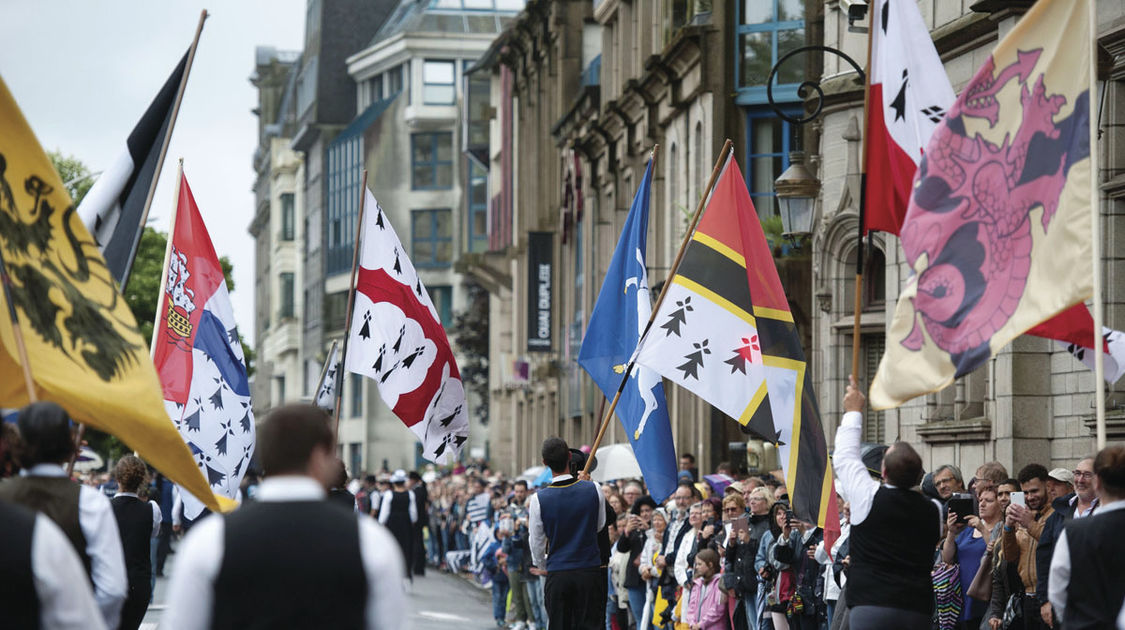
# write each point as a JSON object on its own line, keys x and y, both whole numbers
{"x": 83, "y": 72}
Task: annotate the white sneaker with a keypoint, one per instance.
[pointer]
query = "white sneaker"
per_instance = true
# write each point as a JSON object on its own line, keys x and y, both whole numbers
{"x": 519, "y": 625}
{"x": 531, "y": 625}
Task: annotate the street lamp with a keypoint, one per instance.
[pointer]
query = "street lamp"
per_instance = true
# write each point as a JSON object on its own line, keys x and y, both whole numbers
{"x": 796, "y": 192}
{"x": 797, "y": 188}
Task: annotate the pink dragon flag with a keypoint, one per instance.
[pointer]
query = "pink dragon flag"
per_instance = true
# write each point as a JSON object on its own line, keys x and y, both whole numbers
{"x": 397, "y": 340}
{"x": 998, "y": 229}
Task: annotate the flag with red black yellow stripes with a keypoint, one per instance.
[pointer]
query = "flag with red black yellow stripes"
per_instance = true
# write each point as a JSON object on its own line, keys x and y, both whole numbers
{"x": 725, "y": 332}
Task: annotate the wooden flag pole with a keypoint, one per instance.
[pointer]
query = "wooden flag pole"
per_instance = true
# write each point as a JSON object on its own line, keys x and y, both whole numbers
{"x": 351, "y": 302}
{"x": 164, "y": 145}
{"x": 167, "y": 259}
{"x": 1096, "y": 249}
{"x": 719, "y": 164}
{"x": 17, "y": 332}
{"x": 862, "y": 206}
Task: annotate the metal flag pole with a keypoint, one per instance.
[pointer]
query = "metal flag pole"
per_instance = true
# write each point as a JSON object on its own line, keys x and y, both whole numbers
{"x": 858, "y": 304}
{"x": 719, "y": 164}
{"x": 351, "y": 303}
{"x": 167, "y": 140}
{"x": 1096, "y": 249}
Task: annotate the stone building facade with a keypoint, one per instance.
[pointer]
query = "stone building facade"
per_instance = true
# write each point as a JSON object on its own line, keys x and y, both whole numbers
{"x": 1033, "y": 402}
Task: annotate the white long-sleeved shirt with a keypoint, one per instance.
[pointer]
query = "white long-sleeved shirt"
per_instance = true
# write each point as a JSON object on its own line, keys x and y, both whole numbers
{"x": 853, "y": 481}
{"x": 831, "y": 589}
{"x": 537, "y": 536}
{"x": 65, "y": 599}
{"x": 191, "y": 591}
{"x": 103, "y": 545}
{"x": 385, "y": 507}
{"x": 1059, "y": 578}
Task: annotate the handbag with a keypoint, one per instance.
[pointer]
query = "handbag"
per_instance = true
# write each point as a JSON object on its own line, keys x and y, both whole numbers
{"x": 1014, "y": 611}
{"x": 947, "y": 593}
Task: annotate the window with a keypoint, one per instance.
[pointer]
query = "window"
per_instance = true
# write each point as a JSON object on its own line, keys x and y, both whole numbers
{"x": 478, "y": 208}
{"x": 355, "y": 458}
{"x": 288, "y": 219}
{"x": 437, "y": 82}
{"x": 345, "y": 168}
{"x": 286, "y": 308}
{"x": 335, "y": 311}
{"x": 394, "y": 80}
{"x": 431, "y": 237}
{"x": 442, "y": 297}
{"x": 280, "y": 389}
{"x": 356, "y": 387}
{"x": 767, "y": 30}
{"x": 769, "y": 141}
{"x": 431, "y": 159}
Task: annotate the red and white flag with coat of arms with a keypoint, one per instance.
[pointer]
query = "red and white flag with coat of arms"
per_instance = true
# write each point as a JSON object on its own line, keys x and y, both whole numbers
{"x": 396, "y": 339}
{"x": 198, "y": 357}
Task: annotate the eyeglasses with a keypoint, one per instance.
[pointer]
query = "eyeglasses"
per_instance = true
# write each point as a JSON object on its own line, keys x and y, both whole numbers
{"x": 730, "y": 510}
{"x": 1083, "y": 474}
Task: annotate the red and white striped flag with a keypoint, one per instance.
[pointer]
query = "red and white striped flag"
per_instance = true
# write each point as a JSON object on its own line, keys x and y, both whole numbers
{"x": 910, "y": 94}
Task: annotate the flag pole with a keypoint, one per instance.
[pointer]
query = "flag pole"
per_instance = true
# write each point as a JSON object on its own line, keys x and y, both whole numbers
{"x": 17, "y": 332}
{"x": 351, "y": 303}
{"x": 164, "y": 145}
{"x": 719, "y": 164}
{"x": 858, "y": 304}
{"x": 167, "y": 259}
{"x": 1095, "y": 226}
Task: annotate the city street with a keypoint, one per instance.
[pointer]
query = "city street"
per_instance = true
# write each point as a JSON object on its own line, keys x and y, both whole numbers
{"x": 438, "y": 600}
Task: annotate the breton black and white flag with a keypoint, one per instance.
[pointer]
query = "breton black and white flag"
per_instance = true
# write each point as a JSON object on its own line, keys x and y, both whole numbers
{"x": 112, "y": 210}
{"x": 326, "y": 392}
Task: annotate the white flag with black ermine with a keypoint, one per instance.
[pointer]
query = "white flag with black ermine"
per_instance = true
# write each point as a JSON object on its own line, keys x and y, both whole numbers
{"x": 396, "y": 338}
{"x": 326, "y": 392}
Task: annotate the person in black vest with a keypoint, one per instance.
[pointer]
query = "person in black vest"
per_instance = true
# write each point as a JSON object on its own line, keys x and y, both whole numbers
{"x": 291, "y": 559}
{"x": 399, "y": 512}
{"x": 83, "y": 513}
{"x": 1087, "y": 585}
{"x": 42, "y": 582}
{"x": 566, "y": 515}
{"x": 138, "y": 521}
{"x": 894, "y": 531}
{"x": 421, "y": 499}
{"x": 338, "y": 492}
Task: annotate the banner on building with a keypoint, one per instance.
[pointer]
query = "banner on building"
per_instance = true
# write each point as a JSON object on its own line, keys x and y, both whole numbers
{"x": 540, "y": 289}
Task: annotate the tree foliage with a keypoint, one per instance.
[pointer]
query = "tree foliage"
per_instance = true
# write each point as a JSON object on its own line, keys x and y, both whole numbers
{"x": 470, "y": 336}
{"x": 75, "y": 175}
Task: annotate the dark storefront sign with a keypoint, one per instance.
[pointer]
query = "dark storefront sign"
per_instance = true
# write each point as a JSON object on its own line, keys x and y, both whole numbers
{"x": 540, "y": 290}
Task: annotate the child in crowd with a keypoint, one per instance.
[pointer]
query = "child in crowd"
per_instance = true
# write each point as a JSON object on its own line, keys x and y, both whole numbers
{"x": 706, "y": 605}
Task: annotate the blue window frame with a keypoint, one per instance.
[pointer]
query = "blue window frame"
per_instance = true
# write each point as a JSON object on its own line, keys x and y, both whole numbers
{"x": 478, "y": 208}
{"x": 442, "y": 297}
{"x": 766, "y": 31}
{"x": 431, "y": 161}
{"x": 769, "y": 139}
{"x": 431, "y": 237}
{"x": 345, "y": 167}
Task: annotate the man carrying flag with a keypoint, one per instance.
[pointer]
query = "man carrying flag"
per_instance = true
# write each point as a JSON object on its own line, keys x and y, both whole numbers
{"x": 999, "y": 224}
{"x": 724, "y": 331}
{"x": 82, "y": 346}
{"x": 396, "y": 338}
{"x": 616, "y": 325}
{"x": 198, "y": 354}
